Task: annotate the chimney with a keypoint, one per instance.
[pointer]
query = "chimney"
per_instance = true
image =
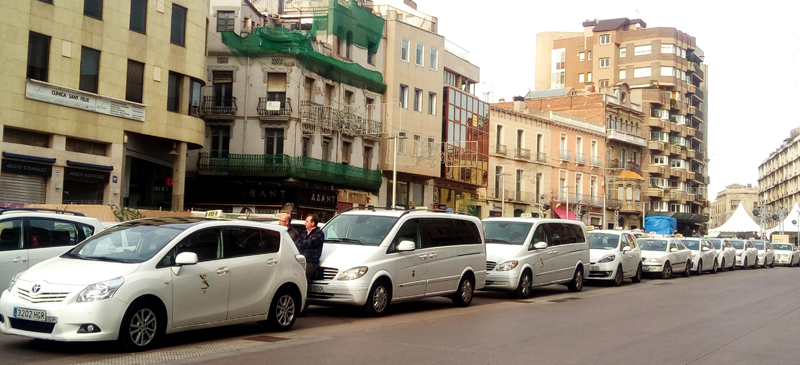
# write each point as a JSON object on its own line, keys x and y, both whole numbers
{"x": 519, "y": 103}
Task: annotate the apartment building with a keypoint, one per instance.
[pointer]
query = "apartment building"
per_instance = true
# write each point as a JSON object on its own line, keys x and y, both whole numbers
{"x": 519, "y": 150}
{"x": 659, "y": 70}
{"x": 293, "y": 119}
{"x": 96, "y": 100}
{"x": 779, "y": 174}
{"x": 729, "y": 199}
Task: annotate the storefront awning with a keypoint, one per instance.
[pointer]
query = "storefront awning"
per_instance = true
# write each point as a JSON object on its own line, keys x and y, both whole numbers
{"x": 561, "y": 213}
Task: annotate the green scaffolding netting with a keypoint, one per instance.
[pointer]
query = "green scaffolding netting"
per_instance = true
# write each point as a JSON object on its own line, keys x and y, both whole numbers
{"x": 275, "y": 40}
{"x": 348, "y": 21}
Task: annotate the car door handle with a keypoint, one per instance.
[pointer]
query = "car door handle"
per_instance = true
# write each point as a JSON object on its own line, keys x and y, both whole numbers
{"x": 19, "y": 259}
{"x": 272, "y": 262}
{"x": 222, "y": 270}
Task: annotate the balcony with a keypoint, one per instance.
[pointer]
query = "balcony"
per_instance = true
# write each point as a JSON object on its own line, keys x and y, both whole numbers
{"x": 691, "y": 89}
{"x": 690, "y": 153}
{"x": 322, "y": 119}
{"x": 627, "y": 138}
{"x": 674, "y": 150}
{"x": 654, "y": 122}
{"x": 677, "y": 195}
{"x": 565, "y": 155}
{"x": 588, "y": 200}
{"x": 213, "y": 106}
{"x": 698, "y": 135}
{"x": 501, "y": 149}
{"x": 662, "y": 170}
{"x": 581, "y": 159}
{"x": 655, "y": 96}
{"x": 541, "y": 157}
{"x": 523, "y": 197}
{"x": 636, "y": 107}
{"x": 282, "y": 166}
{"x": 268, "y": 108}
{"x": 690, "y": 131}
{"x": 596, "y": 161}
{"x": 656, "y": 145}
{"x": 691, "y": 109}
{"x": 610, "y": 99}
{"x": 630, "y": 206}
{"x": 699, "y": 114}
{"x": 690, "y": 175}
{"x": 523, "y": 153}
{"x": 613, "y": 203}
{"x": 654, "y": 192}
{"x": 698, "y": 72}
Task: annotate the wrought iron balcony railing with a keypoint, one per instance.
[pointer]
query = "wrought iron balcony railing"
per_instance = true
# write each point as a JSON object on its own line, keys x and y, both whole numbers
{"x": 218, "y": 106}
{"x": 266, "y": 107}
{"x": 524, "y": 153}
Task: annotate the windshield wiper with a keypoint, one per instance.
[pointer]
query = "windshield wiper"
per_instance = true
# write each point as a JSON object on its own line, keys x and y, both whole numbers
{"x": 348, "y": 240}
{"x": 495, "y": 240}
{"x": 72, "y": 255}
{"x": 102, "y": 258}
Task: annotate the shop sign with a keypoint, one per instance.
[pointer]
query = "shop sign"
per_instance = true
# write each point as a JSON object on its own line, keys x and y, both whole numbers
{"x": 48, "y": 93}
{"x": 86, "y": 175}
{"x": 26, "y": 168}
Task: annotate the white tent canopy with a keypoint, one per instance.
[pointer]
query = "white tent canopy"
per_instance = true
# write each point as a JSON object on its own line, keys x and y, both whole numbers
{"x": 787, "y": 222}
{"x": 740, "y": 221}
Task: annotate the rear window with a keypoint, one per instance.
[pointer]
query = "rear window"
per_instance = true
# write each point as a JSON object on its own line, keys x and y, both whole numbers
{"x": 513, "y": 233}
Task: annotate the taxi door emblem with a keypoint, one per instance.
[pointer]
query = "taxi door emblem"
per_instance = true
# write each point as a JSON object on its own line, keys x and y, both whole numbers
{"x": 205, "y": 282}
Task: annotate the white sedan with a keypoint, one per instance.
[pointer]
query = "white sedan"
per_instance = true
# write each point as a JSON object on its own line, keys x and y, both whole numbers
{"x": 615, "y": 256}
{"x": 726, "y": 254}
{"x": 704, "y": 256}
{"x": 786, "y": 254}
{"x": 746, "y": 254}
{"x": 766, "y": 255}
{"x": 665, "y": 256}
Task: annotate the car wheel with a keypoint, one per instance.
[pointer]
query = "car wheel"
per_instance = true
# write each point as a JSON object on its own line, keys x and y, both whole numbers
{"x": 283, "y": 310}
{"x": 699, "y": 267}
{"x": 666, "y": 273}
{"x": 463, "y": 296}
{"x": 638, "y": 277}
{"x": 733, "y": 267}
{"x": 714, "y": 268}
{"x": 772, "y": 264}
{"x": 378, "y": 299}
{"x": 141, "y": 326}
{"x": 576, "y": 284}
{"x": 688, "y": 272}
{"x": 755, "y": 263}
{"x": 524, "y": 287}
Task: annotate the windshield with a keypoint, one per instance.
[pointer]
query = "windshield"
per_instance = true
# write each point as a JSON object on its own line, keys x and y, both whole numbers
{"x": 738, "y": 244}
{"x": 128, "y": 243}
{"x": 358, "y": 229}
{"x": 759, "y": 245}
{"x": 512, "y": 233}
{"x": 717, "y": 243}
{"x": 692, "y": 245}
{"x": 603, "y": 241}
{"x": 652, "y": 244}
{"x": 782, "y": 246}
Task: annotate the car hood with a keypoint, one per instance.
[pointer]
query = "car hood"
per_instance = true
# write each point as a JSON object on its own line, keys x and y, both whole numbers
{"x": 345, "y": 256}
{"x": 653, "y": 254}
{"x": 738, "y": 250}
{"x": 500, "y": 253}
{"x": 65, "y": 271}
{"x": 784, "y": 251}
{"x": 596, "y": 254}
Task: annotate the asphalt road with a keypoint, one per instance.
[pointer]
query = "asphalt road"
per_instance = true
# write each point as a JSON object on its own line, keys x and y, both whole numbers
{"x": 746, "y": 316}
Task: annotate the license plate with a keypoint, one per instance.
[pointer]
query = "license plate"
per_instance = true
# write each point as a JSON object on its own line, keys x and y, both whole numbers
{"x": 646, "y": 268}
{"x": 33, "y": 315}
{"x": 317, "y": 289}
{"x": 595, "y": 268}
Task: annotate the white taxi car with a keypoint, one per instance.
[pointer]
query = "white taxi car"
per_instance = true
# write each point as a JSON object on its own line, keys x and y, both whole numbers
{"x": 786, "y": 254}
{"x": 664, "y": 256}
{"x": 766, "y": 255}
{"x": 726, "y": 254}
{"x": 141, "y": 279}
{"x": 746, "y": 253}
{"x": 704, "y": 255}
{"x": 615, "y": 256}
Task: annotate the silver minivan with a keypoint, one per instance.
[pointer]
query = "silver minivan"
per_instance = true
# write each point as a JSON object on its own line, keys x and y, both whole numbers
{"x": 523, "y": 253}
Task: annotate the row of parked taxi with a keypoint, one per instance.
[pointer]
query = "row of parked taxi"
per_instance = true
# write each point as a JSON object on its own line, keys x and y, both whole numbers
{"x": 136, "y": 281}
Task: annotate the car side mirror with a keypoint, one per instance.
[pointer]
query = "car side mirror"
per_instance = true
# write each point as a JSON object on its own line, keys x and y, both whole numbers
{"x": 405, "y": 246}
{"x": 186, "y": 258}
{"x": 674, "y": 249}
{"x": 540, "y": 245}
{"x": 626, "y": 248}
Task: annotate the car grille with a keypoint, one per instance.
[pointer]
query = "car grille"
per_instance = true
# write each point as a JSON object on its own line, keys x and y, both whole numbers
{"x": 490, "y": 265}
{"x": 31, "y": 326}
{"x": 320, "y": 296}
{"x": 40, "y": 297}
{"x": 326, "y": 273}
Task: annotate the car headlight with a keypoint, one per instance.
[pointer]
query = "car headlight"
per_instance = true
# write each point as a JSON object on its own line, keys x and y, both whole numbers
{"x": 607, "y": 258}
{"x": 100, "y": 291}
{"x": 353, "y": 274}
{"x": 506, "y": 266}
{"x": 739, "y": 253}
{"x": 654, "y": 260}
{"x": 13, "y": 281}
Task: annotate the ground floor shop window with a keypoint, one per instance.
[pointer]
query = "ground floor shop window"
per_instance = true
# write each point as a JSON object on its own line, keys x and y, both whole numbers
{"x": 150, "y": 185}
{"x": 82, "y": 192}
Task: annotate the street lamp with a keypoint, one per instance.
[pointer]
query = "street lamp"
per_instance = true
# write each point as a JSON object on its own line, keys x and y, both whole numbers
{"x": 503, "y": 191}
{"x": 394, "y": 167}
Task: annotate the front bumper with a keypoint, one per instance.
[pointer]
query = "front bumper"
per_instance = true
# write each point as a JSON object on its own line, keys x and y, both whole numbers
{"x": 502, "y": 280}
{"x": 652, "y": 268}
{"x": 105, "y": 315}
{"x": 603, "y": 271}
{"x": 335, "y": 292}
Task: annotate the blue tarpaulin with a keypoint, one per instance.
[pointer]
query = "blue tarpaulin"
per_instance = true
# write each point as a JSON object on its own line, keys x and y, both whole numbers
{"x": 660, "y": 224}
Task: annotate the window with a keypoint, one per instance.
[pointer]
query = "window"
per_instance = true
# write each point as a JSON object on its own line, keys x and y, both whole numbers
{"x": 403, "y": 96}
{"x": 195, "y": 86}
{"x": 90, "y": 67}
{"x": 623, "y": 74}
{"x": 589, "y": 77}
{"x": 222, "y": 90}
{"x": 371, "y": 54}
{"x": 401, "y": 142}
{"x": 432, "y": 103}
{"x": 417, "y": 100}
{"x": 138, "y": 16}
{"x": 589, "y": 55}
{"x": 178, "y": 29}
{"x": 276, "y": 92}
{"x": 667, "y": 71}
{"x": 225, "y": 21}
{"x": 581, "y": 57}
{"x": 326, "y": 149}
{"x": 417, "y": 145}
{"x": 207, "y": 244}
{"x": 668, "y": 48}
{"x": 328, "y": 94}
{"x": 420, "y": 56}
{"x": 641, "y": 72}
{"x": 581, "y": 78}
{"x": 642, "y": 50}
{"x": 134, "y": 87}
{"x": 604, "y": 62}
{"x": 250, "y": 241}
{"x": 220, "y": 141}
{"x": 52, "y": 233}
{"x": 404, "y": 50}
{"x": 434, "y": 61}
{"x": 367, "y": 157}
{"x": 19, "y": 136}
{"x": 603, "y": 83}
{"x": 431, "y": 147}
{"x": 498, "y": 181}
{"x": 38, "y": 56}
{"x": 93, "y": 8}
{"x": 306, "y": 147}
{"x": 274, "y": 141}
{"x": 519, "y": 174}
{"x": 174, "y": 90}
{"x": 88, "y": 147}
{"x": 347, "y": 151}
{"x": 605, "y": 39}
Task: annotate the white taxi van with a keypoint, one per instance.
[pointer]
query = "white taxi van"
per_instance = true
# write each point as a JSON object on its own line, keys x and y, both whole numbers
{"x": 138, "y": 280}
{"x": 375, "y": 257}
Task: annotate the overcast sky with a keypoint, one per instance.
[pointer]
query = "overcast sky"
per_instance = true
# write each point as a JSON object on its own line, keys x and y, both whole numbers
{"x": 752, "y": 49}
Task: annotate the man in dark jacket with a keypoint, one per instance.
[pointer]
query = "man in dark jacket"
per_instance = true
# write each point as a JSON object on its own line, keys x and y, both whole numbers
{"x": 286, "y": 221}
{"x": 310, "y": 244}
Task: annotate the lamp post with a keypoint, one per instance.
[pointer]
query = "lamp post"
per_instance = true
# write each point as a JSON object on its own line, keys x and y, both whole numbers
{"x": 503, "y": 192}
{"x": 395, "y": 139}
